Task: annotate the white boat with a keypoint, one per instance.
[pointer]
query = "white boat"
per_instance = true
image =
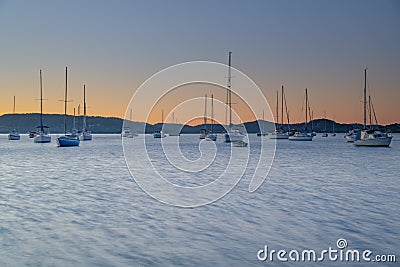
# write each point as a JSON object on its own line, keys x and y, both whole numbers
{"x": 278, "y": 133}
{"x": 302, "y": 136}
{"x": 159, "y": 133}
{"x": 370, "y": 137}
{"x": 324, "y": 134}
{"x": 67, "y": 140}
{"x": 14, "y": 134}
{"x": 262, "y": 132}
{"x": 231, "y": 135}
{"x": 211, "y": 136}
{"x": 85, "y": 135}
{"x": 351, "y": 135}
{"x": 203, "y": 132}
{"x": 126, "y": 132}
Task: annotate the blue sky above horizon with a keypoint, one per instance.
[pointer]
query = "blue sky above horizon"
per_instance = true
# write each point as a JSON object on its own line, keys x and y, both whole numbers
{"x": 114, "y": 46}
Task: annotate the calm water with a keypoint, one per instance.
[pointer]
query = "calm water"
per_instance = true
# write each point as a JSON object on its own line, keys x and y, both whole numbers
{"x": 80, "y": 206}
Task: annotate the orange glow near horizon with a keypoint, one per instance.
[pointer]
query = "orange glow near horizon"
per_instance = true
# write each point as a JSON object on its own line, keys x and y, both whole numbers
{"x": 343, "y": 104}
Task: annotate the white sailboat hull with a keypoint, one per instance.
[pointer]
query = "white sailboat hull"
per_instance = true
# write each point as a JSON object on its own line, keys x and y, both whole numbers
{"x": 85, "y": 136}
{"x": 279, "y": 135}
{"x": 42, "y": 138}
{"x": 380, "y": 141}
{"x": 14, "y": 136}
{"x": 233, "y": 136}
{"x": 300, "y": 137}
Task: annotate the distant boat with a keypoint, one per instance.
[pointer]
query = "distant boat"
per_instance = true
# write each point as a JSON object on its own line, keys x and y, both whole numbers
{"x": 351, "y": 135}
{"x": 302, "y": 136}
{"x": 333, "y": 127}
{"x": 67, "y": 140}
{"x": 14, "y": 134}
{"x": 211, "y": 136}
{"x": 42, "y": 135}
{"x": 231, "y": 135}
{"x": 159, "y": 134}
{"x": 370, "y": 137}
{"x": 278, "y": 133}
{"x": 85, "y": 135}
{"x": 203, "y": 132}
{"x": 174, "y": 128}
{"x": 126, "y": 131}
{"x": 325, "y": 134}
{"x": 262, "y": 132}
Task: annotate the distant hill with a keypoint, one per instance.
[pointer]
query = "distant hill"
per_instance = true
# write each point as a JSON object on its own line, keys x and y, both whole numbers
{"x": 28, "y": 122}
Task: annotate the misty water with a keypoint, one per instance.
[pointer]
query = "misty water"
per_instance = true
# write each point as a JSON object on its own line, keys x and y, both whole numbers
{"x": 79, "y": 206}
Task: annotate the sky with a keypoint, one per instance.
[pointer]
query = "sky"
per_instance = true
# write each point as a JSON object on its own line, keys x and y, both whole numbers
{"x": 115, "y": 46}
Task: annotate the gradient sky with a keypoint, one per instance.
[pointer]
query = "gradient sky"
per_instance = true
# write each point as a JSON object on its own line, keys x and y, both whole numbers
{"x": 114, "y": 46}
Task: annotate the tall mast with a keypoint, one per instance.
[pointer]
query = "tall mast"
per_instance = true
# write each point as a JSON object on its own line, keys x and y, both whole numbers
{"x": 41, "y": 102}
{"x": 277, "y": 107}
{"x": 73, "y": 125}
{"x": 212, "y": 113}
{"x": 229, "y": 91}
{"x": 205, "y": 112}
{"x": 84, "y": 107}
{"x": 370, "y": 112}
{"x": 282, "y": 109}
{"x": 306, "y": 107}
{"x": 365, "y": 99}
{"x": 262, "y": 123}
{"x": 65, "y": 100}
{"x": 14, "y": 106}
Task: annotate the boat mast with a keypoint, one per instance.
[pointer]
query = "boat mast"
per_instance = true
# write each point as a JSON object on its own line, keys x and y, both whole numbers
{"x": 277, "y": 109}
{"x": 365, "y": 99}
{"x": 41, "y": 102}
{"x": 65, "y": 101}
{"x": 212, "y": 113}
{"x": 306, "y": 108}
{"x": 205, "y": 112}
{"x": 282, "y": 109}
{"x": 370, "y": 112}
{"x": 84, "y": 108}
{"x": 229, "y": 91}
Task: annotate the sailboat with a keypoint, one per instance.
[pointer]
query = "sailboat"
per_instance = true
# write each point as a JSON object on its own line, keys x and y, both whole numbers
{"x": 85, "y": 135}
{"x": 333, "y": 127}
{"x": 302, "y": 136}
{"x": 126, "y": 131}
{"x": 14, "y": 134}
{"x": 370, "y": 137}
{"x": 67, "y": 140}
{"x": 211, "y": 136}
{"x": 232, "y": 135}
{"x": 262, "y": 132}
{"x": 174, "y": 129}
{"x": 42, "y": 135}
{"x": 278, "y": 132}
{"x": 159, "y": 133}
{"x": 325, "y": 134}
{"x": 203, "y": 132}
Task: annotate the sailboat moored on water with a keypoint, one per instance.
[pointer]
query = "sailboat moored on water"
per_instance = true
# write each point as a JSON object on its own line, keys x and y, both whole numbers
{"x": 14, "y": 134}
{"x": 370, "y": 137}
{"x": 231, "y": 135}
{"x": 67, "y": 140}
{"x": 86, "y": 135}
{"x": 303, "y": 136}
{"x": 42, "y": 135}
